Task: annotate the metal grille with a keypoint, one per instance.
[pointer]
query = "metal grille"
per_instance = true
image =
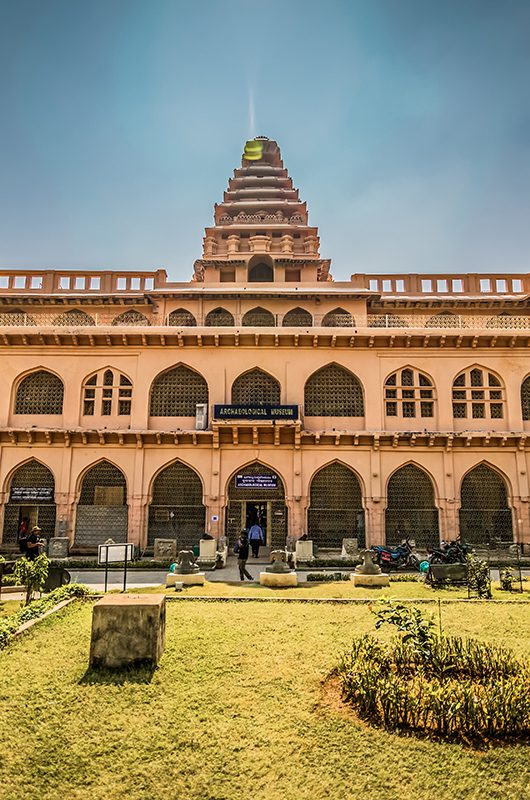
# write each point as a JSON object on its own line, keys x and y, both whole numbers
{"x": 258, "y": 317}
{"x": 102, "y": 509}
{"x": 333, "y": 392}
{"x": 131, "y": 317}
{"x": 74, "y": 318}
{"x": 31, "y": 475}
{"x": 407, "y": 394}
{"x": 297, "y": 318}
{"x": 176, "y": 393}
{"x": 443, "y": 320}
{"x": 219, "y": 318}
{"x": 485, "y": 514}
{"x": 16, "y": 317}
{"x": 478, "y": 394}
{"x": 176, "y": 510}
{"x": 338, "y": 318}
{"x": 256, "y": 386}
{"x": 387, "y": 321}
{"x": 525, "y": 398}
{"x": 107, "y": 393}
{"x": 40, "y": 393}
{"x": 410, "y": 508}
{"x": 277, "y": 519}
{"x": 335, "y": 507}
{"x": 181, "y": 316}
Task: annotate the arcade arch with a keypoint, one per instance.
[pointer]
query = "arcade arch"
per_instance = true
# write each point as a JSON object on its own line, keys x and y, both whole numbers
{"x": 335, "y": 506}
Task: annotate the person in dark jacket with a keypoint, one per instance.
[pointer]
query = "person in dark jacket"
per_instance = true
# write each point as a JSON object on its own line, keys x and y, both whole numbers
{"x": 241, "y": 550}
{"x": 33, "y": 542}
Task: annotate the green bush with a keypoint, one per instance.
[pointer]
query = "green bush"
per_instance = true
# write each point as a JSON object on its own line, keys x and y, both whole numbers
{"x": 32, "y": 574}
{"x": 328, "y": 577}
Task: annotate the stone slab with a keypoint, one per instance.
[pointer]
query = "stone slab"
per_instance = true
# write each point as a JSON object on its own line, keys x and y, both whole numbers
{"x": 350, "y": 548}
{"x": 165, "y": 550}
{"x": 195, "y": 579}
{"x": 304, "y": 550}
{"x": 278, "y": 579}
{"x": 58, "y": 547}
{"x": 374, "y": 581}
{"x": 128, "y": 629}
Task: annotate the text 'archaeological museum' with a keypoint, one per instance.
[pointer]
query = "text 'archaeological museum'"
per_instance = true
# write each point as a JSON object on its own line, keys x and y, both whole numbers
{"x": 379, "y": 407}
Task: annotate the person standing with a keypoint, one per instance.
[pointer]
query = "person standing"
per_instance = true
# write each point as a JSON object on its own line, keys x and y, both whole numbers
{"x": 255, "y": 536}
{"x": 22, "y": 534}
{"x": 32, "y": 543}
{"x": 241, "y": 550}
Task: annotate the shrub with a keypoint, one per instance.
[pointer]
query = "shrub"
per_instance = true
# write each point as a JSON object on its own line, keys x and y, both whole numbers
{"x": 37, "y": 608}
{"x": 32, "y": 574}
{"x": 328, "y": 577}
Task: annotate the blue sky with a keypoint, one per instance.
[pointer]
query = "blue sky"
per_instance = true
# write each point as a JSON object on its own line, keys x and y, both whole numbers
{"x": 404, "y": 123}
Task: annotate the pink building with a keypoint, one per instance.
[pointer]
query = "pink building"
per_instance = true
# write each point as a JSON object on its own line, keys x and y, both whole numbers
{"x": 377, "y": 407}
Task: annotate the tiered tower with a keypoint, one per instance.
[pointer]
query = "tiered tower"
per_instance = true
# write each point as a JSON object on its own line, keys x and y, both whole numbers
{"x": 261, "y": 232}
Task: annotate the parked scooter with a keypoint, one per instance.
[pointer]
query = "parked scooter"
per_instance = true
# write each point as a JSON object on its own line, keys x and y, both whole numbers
{"x": 400, "y": 557}
{"x": 453, "y": 552}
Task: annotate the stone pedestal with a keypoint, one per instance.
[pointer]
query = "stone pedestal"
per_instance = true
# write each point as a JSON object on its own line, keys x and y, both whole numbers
{"x": 304, "y": 550}
{"x": 278, "y": 579}
{"x": 192, "y": 579}
{"x": 370, "y": 581}
{"x": 58, "y": 547}
{"x": 128, "y": 629}
{"x": 165, "y": 550}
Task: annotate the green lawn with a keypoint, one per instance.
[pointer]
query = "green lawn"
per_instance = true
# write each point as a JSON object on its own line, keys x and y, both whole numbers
{"x": 238, "y": 709}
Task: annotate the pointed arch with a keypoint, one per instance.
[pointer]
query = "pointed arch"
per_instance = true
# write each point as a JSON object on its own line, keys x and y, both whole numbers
{"x": 249, "y": 499}
{"x": 219, "y": 318}
{"x": 181, "y": 317}
{"x": 75, "y": 317}
{"x": 411, "y": 509}
{"x": 107, "y": 392}
{"x": 297, "y": 318}
{"x": 131, "y": 318}
{"x": 176, "y": 392}
{"x": 176, "y": 509}
{"x": 485, "y": 513}
{"x": 525, "y": 398}
{"x": 333, "y": 391}
{"x": 256, "y": 386}
{"x": 445, "y": 319}
{"x": 409, "y": 393}
{"x": 39, "y": 392}
{"x": 335, "y": 506}
{"x": 478, "y": 393}
{"x": 31, "y": 486}
{"x": 258, "y": 318}
{"x": 261, "y": 271}
{"x": 102, "y": 511}
{"x": 338, "y": 318}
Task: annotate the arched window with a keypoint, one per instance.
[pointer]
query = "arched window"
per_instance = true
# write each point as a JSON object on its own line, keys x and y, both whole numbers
{"x": 477, "y": 394}
{"x": 102, "y": 507}
{"x": 108, "y": 393}
{"x": 74, "y": 318}
{"x": 175, "y": 393}
{"x": 333, "y": 392}
{"x": 335, "y": 507}
{"x": 31, "y": 501}
{"x": 16, "y": 317}
{"x": 176, "y": 510}
{"x": 132, "y": 318}
{"x": 40, "y": 392}
{"x": 484, "y": 512}
{"x": 338, "y": 318}
{"x": 261, "y": 273}
{"x": 525, "y": 398}
{"x": 256, "y": 386}
{"x": 182, "y": 317}
{"x": 410, "y": 508}
{"x": 259, "y": 317}
{"x": 386, "y": 321}
{"x": 297, "y": 318}
{"x": 219, "y": 318}
{"x": 445, "y": 319}
{"x": 409, "y": 393}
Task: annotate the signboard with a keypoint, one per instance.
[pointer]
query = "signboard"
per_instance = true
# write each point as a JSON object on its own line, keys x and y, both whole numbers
{"x": 31, "y": 494}
{"x": 112, "y": 553}
{"x": 256, "y": 481}
{"x": 255, "y": 411}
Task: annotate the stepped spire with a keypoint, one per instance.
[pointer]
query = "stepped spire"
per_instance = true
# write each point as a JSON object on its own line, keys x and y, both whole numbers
{"x": 261, "y": 231}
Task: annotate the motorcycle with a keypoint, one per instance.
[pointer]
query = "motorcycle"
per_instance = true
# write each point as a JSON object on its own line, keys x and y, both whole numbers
{"x": 454, "y": 552}
{"x": 399, "y": 557}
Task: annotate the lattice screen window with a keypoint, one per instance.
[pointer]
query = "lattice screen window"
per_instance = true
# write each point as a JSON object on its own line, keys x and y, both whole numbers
{"x": 15, "y": 317}
{"x": 485, "y": 513}
{"x": 258, "y": 317}
{"x": 177, "y": 485}
{"x": 411, "y": 510}
{"x": 108, "y": 393}
{"x": 525, "y": 398}
{"x": 175, "y": 393}
{"x": 297, "y": 318}
{"x": 386, "y": 321}
{"x": 335, "y": 506}
{"x": 40, "y": 392}
{"x": 31, "y": 475}
{"x": 338, "y": 318}
{"x": 75, "y": 318}
{"x": 176, "y": 510}
{"x": 219, "y": 318}
{"x": 256, "y": 386}
{"x": 103, "y": 485}
{"x": 131, "y": 317}
{"x": 182, "y": 317}
{"x": 333, "y": 392}
{"x": 477, "y": 394}
{"x": 507, "y": 320}
{"x": 409, "y": 393}
{"x": 444, "y": 320}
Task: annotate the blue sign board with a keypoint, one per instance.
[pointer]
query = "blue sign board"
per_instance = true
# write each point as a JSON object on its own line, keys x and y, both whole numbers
{"x": 255, "y": 411}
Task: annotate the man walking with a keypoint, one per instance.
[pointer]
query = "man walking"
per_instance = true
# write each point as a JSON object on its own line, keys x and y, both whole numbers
{"x": 241, "y": 550}
{"x": 255, "y": 536}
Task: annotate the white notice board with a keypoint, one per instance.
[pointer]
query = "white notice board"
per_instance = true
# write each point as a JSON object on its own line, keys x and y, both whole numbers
{"x": 112, "y": 553}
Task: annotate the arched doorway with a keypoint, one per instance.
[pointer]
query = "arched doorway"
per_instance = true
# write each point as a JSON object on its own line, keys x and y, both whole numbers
{"x": 176, "y": 510}
{"x": 256, "y": 494}
{"x": 335, "y": 507}
{"x": 411, "y": 510}
{"x": 102, "y": 507}
{"x": 485, "y": 514}
{"x": 31, "y": 495}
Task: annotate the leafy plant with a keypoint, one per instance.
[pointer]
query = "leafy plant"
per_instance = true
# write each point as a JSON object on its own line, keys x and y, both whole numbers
{"x": 506, "y": 576}
{"x": 478, "y": 577}
{"x": 417, "y": 630}
{"x": 327, "y": 577}
{"x": 31, "y": 574}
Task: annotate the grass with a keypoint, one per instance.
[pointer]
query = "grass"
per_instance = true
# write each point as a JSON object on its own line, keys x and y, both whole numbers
{"x": 237, "y": 708}
{"x": 8, "y": 607}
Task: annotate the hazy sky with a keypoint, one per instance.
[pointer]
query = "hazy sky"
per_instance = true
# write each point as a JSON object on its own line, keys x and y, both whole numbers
{"x": 404, "y": 123}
